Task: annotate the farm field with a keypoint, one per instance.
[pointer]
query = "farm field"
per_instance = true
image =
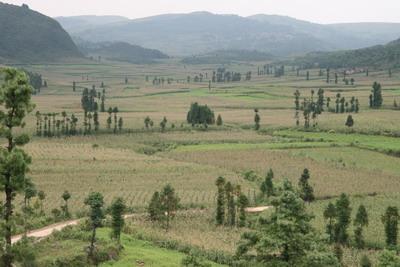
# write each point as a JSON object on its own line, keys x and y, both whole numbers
{"x": 362, "y": 161}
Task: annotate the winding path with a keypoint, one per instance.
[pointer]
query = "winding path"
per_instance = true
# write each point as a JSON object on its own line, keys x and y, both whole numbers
{"x": 48, "y": 230}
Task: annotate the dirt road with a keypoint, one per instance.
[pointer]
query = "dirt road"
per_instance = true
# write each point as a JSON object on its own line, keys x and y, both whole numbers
{"x": 48, "y": 230}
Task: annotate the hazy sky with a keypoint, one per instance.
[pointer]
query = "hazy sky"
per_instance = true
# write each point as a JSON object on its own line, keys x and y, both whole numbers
{"x": 321, "y": 11}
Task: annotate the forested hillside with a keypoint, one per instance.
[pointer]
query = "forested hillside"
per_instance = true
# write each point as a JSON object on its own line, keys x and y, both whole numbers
{"x": 381, "y": 56}
{"x": 121, "y": 51}
{"x": 28, "y": 36}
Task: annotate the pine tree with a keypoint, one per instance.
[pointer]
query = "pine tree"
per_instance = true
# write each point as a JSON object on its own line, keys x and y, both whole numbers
{"x": 343, "y": 219}
{"x": 154, "y": 208}
{"x": 118, "y": 208}
{"x": 267, "y": 186}
{"x": 257, "y": 120}
{"x": 243, "y": 202}
{"x": 376, "y": 98}
{"x": 330, "y": 216}
{"x": 360, "y": 221}
{"x": 230, "y": 200}
{"x": 16, "y": 104}
{"x": 391, "y": 220}
{"x": 220, "y": 212}
{"x": 169, "y": 203}
{"x": 120, "y": 124}
{"x": 95, "y": 201}
{"x": 297, "y": 107}
{"x": 306, "y": 190}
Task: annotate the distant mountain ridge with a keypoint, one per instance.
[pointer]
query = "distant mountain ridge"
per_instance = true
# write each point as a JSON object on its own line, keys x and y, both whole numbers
{"x": 203, "y": 32}
{"x": 380, "y": 56}
{"x": 28, "y": 36}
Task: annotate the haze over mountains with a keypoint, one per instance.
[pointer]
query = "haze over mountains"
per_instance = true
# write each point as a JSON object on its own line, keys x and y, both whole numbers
{"x": 203, "y": 32}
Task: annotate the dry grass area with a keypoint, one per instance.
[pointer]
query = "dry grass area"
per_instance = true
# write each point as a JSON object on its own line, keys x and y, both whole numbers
{"x": 195, "y": 228}
{"x": 79, "y": 167}
{"x": 328, "y": 179}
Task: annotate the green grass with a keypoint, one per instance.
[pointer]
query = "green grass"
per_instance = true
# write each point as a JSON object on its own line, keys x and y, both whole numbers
{"x": 241, "y": 146}
{"x": 376, "y": 142}
{"x": 137, "y": 251}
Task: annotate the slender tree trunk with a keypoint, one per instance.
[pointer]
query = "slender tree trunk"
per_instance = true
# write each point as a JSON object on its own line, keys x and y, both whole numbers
{"x": 8, "y": 257}
{"x": 93, "y": 239}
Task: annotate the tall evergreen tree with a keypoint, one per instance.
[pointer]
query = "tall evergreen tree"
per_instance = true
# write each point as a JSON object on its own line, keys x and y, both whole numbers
{"x": 242, "y": 203}
{"x": 286, "y": 238}
{"x": 95, "y": 201}
{"x": 220, "y": 211}
{"x": 306, "y": 190}
{"x": 230, "y": 201}
{"x": 118, "y": 208}
{"x": 169, "y": 203}
{"x": 343, "y": 219}
{"x": 330, "y": 216}
{"x": 154, "y": 208}
{"x": 267, "y": 186}
{"x": 257, "y": 120}
{"x": 391, "y": 220}
{"x": 376, "y": 97}
{"x": 360, "y": 221}
{"x": 16, "y": 104}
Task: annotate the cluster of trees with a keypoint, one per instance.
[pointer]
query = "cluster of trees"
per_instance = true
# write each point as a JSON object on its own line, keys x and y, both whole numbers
{"x": 231, "y": 204}
{"x": 343, "y": 106}
{"x": 287, "y": 237}
{"x": 310, "y": 107}
{"x": 305, "y": 190}
{"x": 36, "y": 81}
{"x": 314, "y": 106}
{"x": 163, "y": 206}
{"x": 160, "y": 80}
{"x": 338, "y": 218}
{"x": 50, "y": 125}
{"x": 149, "y": 123}
{"x": 95, "y": 202}
{"x": 267, "y": 69}
{"x": 200, "y": 115}
{"x": 222, "y": 75}
{"x": 113, "y": 117}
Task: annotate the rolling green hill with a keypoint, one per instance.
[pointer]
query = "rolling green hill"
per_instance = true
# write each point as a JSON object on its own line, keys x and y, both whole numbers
{"x": 28, "y": 36}
{"x": 381, "y": 56}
